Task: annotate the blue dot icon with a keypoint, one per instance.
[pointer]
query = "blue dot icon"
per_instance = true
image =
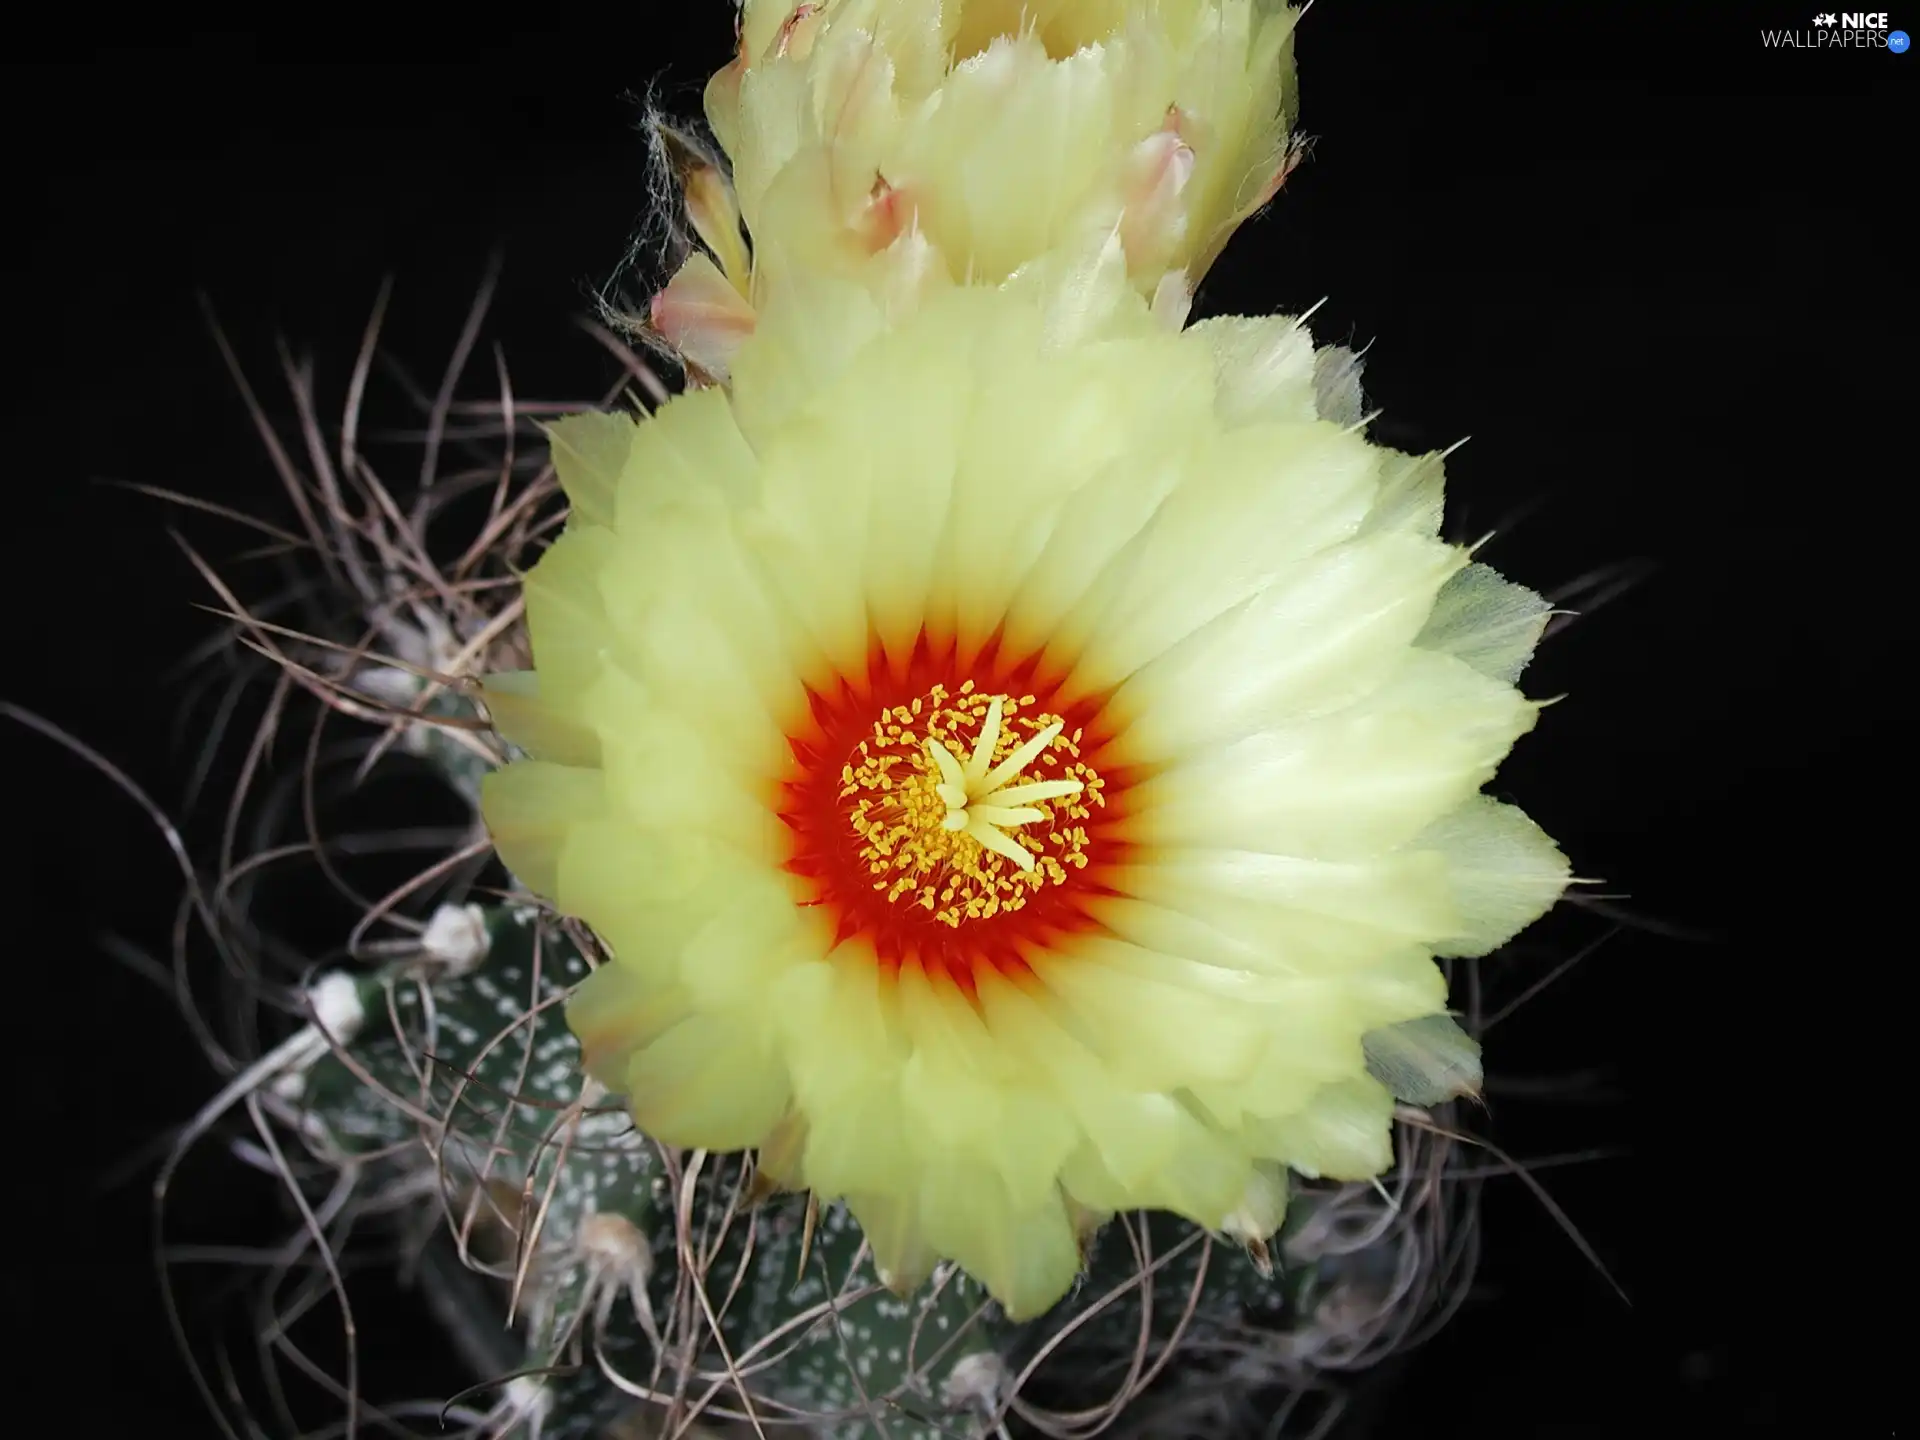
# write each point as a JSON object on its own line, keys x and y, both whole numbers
{"x": 1897, "y": 42}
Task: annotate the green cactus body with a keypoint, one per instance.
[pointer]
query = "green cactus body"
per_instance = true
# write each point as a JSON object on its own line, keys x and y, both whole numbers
{"x": 473, "y": 1079}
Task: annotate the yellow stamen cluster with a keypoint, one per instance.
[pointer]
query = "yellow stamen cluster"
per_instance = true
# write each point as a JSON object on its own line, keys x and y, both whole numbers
{"x": 945, "y": 817}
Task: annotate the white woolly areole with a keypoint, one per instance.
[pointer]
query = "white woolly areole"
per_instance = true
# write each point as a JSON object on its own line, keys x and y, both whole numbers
{"x": 388, "y": 684}
{"x": 979, "y": 1379}
{"x": 456, "y": 939}
{"x": 529, "y": 1400}
{"x": 592, "y": 1092}
{"x": 609, "y": 1238}
{"x": 337, "y": 1011}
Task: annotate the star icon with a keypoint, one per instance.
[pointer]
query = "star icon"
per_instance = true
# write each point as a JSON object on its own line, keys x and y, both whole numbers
{"x": 1824, "y": 19}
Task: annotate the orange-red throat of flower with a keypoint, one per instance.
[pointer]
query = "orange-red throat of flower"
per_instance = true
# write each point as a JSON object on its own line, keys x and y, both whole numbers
{"x": 952, "y": 816}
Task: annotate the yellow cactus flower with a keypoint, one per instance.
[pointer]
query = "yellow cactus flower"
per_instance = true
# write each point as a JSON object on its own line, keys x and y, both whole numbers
{"x": 1015, "y": 753}
{"x": 991, "y": 130}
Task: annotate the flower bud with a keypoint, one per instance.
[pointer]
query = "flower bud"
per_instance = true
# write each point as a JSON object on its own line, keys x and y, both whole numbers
{"x": 999, "y": 130}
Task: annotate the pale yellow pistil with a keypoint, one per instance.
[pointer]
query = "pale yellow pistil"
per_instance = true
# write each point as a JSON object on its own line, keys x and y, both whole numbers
{"x": 980, "y": 796}
{"x": 968, "y": 831}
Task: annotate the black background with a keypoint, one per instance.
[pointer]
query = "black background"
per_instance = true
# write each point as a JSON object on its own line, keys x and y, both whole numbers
{"x": 1652, "y": 271}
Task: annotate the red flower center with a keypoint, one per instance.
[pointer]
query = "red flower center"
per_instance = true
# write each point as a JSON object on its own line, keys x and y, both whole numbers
{"x": 953, "y": 816}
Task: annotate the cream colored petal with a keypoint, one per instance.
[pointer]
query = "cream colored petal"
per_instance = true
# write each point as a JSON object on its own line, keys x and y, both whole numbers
{"x": 1285, "y": 1080}
{"x": 1173, "y": 932}
{"x": 949, "y": 1104}
{"x": 694, "y": 627}
{"x": 1283, "y": 944}
{"x": 702, "y": 316}
{"x": 915, "y": 37}
{"x": 566, "y": 618}
{"x": 817, "y": 581}
{"x": 999, "y": 150}
{"x": 760, "y": 25}
{"x": 855, "y": 111}
{"x": 1503, "y": 870}
{"x": 846, "y": 1048}
{"x": 768, "y": 114}
{"x": 1489, "y": 622}
{"x": 1135, "y": 1133}
{"x": 1427, "y": 1061}
{"x": 1084, "y": 290}
{"x": 645, "y": 892}
{"x": 1264, "y": 365}
{"x": 963, "y": 1095}
{"x": 1239, "y": 986}
{"x": 614, "y": 1012}
{"x": 1026, "y": 1256}
{"x": 1263, "y": 1209}
{"x": 1142, "y": 1144}
{"x": 689, "y": 451}
{"x": 713, "y": 208}
{"x": 1100, "y": 519}
{"x": 1315, "y": 1039}
{"x": 1336, "y": 386}
{"x": 711, "y": 1082}
{"x": 1346, "y": 1133}
{"x": 1044, "y": 448}
{"x": 589, "y": 456}
{"x": 662, "y": 771}
{"x": 1402, "y": 985}
{"x": 809, "y": 332}
{"x": 1257, "y": 502}
{"x": 858, "y": 1143}
{"x": 721, "y": 104}
{"x": 804, "y": 233}
{"x": 869, "y": 480}
{"x": 1312, "y": 1037}
{"x": 531, "y": 807}
{"x": 1151, "y": 1025}
{"x": 1037, "y": 434}
{"x": 748, "y": 943}
{"x": 1281, "y": 900}
{"x": 907, "y": 275}
{"x": 1202, "y": 1178}
{"x": 1237, "y": 97}
{"x": 828, "y": 476}
{"x": 1320, "y": 637}
{"x": 1063, "y": 26}
{"x": 1003, "y": 164}
{"x": 678, "y": 660}
{"x": 1152, "y": 182}
{"x": 547, "y": 732}
{"x": 892, "y": 1226}
{"x": 1412, "y": 495}
{"x": 1349, "y": 786}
